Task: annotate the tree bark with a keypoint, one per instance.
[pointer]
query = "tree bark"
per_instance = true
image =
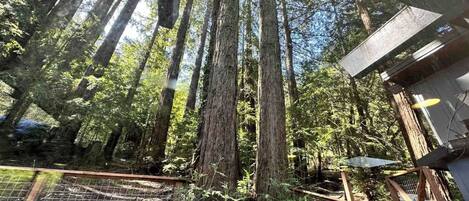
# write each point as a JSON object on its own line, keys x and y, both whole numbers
{"x": 104, "y": 53}
{"x": 271, "y": 162}
{"x": 207, "y": 69}
{"x": 300, "y": 163}
{"x": 163, "y": 114}
{"x": 191, "y": 99}
{"x": 111, "y": 12}
{"x": 251, "y": 73}
{"x": 116, "y": 133}
{"x": 86, "y": 35}
{"x": 219, "y": 159}
{"x": 412, "y": 130}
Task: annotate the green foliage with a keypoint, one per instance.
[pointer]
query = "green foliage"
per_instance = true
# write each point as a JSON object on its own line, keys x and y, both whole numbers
{"x": 16, "y": 16}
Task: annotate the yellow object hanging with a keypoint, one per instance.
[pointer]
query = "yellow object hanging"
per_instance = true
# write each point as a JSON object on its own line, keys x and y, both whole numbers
{"x": 426, "y": 103}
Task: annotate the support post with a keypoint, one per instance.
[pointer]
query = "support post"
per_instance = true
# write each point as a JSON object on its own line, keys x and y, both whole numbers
{"x": 421, "y": 186}
{"x": 394, "y": 195}
{"x": 38, "y": 184}
{"x": 347, "y": 186}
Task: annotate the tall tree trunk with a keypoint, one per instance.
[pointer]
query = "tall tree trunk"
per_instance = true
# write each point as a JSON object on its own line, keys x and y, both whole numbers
{"x": 300, "y": 164}
{"x": 86, "y": 35}
{"x": 104, "y": 53}
{"x": 251, "y": 74}
{"x": 219, "y": 159}
{"x": 163, "y": 114}
{"x": 191, "y": 99}
{"x": 271, "y": 162}
{"x": 413, "y": 132}
{"x": 207, "y": 69}
{"x": 116, "y": 133}
{"x": 111, "y": 12}
{"x": 100, "y": 61}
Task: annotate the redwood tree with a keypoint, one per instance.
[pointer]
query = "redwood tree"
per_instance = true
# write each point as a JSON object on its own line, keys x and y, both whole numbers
{"x": 271, "y": 161}
{"x": 300, "y": 163}
{"x": 191, "y": 99}
{"x": 219, "y": 150}
{"x": 163, "y": 115}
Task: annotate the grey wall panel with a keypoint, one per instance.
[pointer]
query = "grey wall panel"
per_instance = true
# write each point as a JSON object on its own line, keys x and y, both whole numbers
{"x": 446, "y": 118}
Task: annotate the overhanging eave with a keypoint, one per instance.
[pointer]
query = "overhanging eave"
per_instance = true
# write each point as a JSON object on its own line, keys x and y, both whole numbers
{"x": 397, "y": 34}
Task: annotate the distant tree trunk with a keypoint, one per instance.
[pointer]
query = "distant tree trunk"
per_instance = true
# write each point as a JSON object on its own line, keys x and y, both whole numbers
{"x": 104, "y": 53}
{"x": 207, "y": 69}
{"x": 163, "y": 114}
{"x": 271, "y": 162}
{"x": 111, "y": 12}
{"x": 86, "y": 35}
{"x": 300, "y": 164}
{"x": 100, "y": 61}
{"x": 117, "y": 131}
{"x": 250, "y": 75}
{"x": 219, "y": 158}
{"x": 191, "y": 99}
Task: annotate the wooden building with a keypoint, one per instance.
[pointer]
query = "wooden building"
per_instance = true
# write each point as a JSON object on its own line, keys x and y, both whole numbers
{"x": 422, "y": 53}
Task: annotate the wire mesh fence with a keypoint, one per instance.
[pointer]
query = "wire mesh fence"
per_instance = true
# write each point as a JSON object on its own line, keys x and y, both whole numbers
{"x": 408, "y": 182}
{"x": 51, "y": 185}
{"x": 15, "y": 185}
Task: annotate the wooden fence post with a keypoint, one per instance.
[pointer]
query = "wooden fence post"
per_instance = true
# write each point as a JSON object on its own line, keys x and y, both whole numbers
{"x": 347, "y": 187}
{"x": 38, "y": 185}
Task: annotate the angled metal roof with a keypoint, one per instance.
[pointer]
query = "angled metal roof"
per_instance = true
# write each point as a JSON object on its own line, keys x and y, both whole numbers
{"x": 367, "y": 162}
{"x": 413, "y": 22}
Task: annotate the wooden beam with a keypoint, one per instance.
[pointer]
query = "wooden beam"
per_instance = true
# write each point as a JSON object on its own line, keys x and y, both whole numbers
{"x": 405, "y": 172}
{"x": 317, "y": 195}
{"x": 393, "y": 192}
{"x": 399, "y": 190}
{"x": 347, "y": 187}
{"x": 38, "y": 184}
{"x": 421, "y": 186}
{"x": 103, "y": 175}
{"x": 410, "y": 23}
{"x": 434, "y": 188}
